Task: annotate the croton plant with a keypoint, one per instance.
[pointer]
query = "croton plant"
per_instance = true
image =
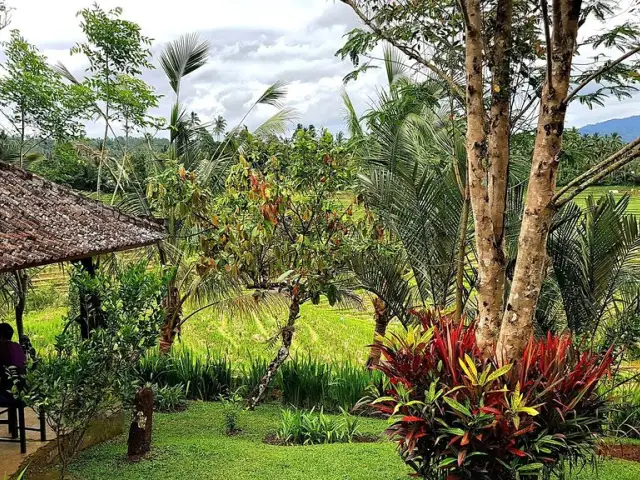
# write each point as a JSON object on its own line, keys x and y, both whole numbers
{"x": 457, "y": 415}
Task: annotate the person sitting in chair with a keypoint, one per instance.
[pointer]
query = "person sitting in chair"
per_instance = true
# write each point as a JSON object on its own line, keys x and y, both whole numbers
{"x": 11, "y": 357}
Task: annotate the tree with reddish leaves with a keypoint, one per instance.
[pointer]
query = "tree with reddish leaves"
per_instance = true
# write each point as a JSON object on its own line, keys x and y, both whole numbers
{"x": 283, "y": 226}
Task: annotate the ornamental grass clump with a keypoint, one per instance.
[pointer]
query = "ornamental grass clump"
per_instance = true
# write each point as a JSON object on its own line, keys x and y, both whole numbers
{"x": 458, "y": 415}
{"x": 309, "y": 428}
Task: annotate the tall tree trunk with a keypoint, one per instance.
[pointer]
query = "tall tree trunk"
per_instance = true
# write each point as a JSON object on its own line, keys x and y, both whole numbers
{"x": 517, "y": 326}
{"x": 90, "y": 304}
{"x": 22, "y": 280}
{"x": 490, "y": 257}
{"x": 381, "y": 315}
{"x": 283, "y": 353}
{"x": 106, "y": 132}
{"x": 488, "y": 158}
{"x": 103, "y": 152}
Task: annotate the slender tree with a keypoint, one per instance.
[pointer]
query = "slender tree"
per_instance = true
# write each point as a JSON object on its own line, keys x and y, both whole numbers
{"x": 284, "y": 231}
{"x": 34, "y": 99}
{"x": 184, "y": 181}
{"x": 113, "y": 47}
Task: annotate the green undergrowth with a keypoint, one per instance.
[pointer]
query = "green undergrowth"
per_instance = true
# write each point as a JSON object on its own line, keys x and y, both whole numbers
{"x": 192, "y": 444}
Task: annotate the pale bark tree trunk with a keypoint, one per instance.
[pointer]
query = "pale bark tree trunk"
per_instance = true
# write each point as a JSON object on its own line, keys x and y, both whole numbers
{"x": 484, "y": 167}
{"x": 517, "y": 325}
{"x": 382, "y": 318}
{"x": 283, "y": 353}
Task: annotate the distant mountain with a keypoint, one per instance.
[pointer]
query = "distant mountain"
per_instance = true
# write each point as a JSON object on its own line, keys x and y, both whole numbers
{"x": 628, "y": 128}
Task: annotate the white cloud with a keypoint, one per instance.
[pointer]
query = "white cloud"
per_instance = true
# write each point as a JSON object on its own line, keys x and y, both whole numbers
{"x": 254, "y": 43}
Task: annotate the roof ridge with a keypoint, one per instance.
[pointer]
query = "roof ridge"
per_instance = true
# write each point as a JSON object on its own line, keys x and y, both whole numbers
{"x": 148, "y": 221}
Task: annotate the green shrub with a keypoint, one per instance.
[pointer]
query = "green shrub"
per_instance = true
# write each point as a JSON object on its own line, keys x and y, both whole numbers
{"x": 307, "y": 383}
{"x": 204, "y": 377}
{"x": 232, "y": 408}
{"x": 455, "y": 413}
{"x": 302, "y": 382}
{"x": 349, "y": 384}
{"x": 251, "y": 374}
{"x": 168, "y": 399}
{"x": 309, "y": 428}
{"x": 86, "y": 377}
{"x": 153, "y": 368}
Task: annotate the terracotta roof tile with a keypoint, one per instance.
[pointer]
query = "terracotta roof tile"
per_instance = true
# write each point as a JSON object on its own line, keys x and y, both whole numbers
{"x": 41, "y": 223}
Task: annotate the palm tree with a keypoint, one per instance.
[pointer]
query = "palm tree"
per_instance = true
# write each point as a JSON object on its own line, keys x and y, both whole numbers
{"x": 413, "y": 171}
{"x": 593, "y": 288}
{"x": 385, "y": 276}
{"x": 219, "y": 126}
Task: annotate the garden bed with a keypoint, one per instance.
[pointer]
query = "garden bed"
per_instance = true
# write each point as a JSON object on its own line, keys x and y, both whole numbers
{"x": 624, "y": 451}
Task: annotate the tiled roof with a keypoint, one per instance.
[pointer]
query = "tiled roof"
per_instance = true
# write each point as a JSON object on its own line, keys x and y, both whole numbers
{"x": 42, "y": 223}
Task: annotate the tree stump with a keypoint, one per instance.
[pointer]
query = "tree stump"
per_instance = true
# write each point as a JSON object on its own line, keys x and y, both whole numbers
{"x": 141, "y": 425}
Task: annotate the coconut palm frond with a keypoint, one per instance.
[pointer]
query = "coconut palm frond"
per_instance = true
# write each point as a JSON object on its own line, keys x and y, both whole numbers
{"x": 62, "y": 70}
{"x": 214, "y": 171}
{"x": 394, "y": 64}
{"x": 386, "y": 276}
{"x": 9, "y": 151}
{"x": 219, "y": 125}
{"x": 182, "y": 57}
{"x": 133, "y": 203}
{"x": 347, "y": 299}
{"x": 277, "y": 124}
{"x": 273, "y": 95}
{"x": 351, "y": 118}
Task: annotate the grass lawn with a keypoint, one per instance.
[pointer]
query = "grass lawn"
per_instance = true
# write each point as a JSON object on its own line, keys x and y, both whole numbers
{"x": 191, "y": 445}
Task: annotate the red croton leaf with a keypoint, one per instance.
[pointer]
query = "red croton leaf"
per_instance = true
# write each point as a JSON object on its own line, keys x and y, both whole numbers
{"x": 491, "y": 410}
{"x": 412, "y": 419}
{"x": 516, "y": 451}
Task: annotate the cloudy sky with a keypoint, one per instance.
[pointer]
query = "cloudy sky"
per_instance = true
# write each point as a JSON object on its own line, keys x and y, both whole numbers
{"x": 255, "y": 43}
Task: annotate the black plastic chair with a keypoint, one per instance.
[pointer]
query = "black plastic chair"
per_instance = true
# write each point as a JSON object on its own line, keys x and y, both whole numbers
{"x": 17, "y": 425}
{"x": 14, "y": 408}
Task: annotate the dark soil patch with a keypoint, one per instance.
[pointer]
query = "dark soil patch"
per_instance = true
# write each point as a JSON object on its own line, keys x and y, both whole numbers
{"x": 272, "y": 439}
{"x": 625, "y": 452}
